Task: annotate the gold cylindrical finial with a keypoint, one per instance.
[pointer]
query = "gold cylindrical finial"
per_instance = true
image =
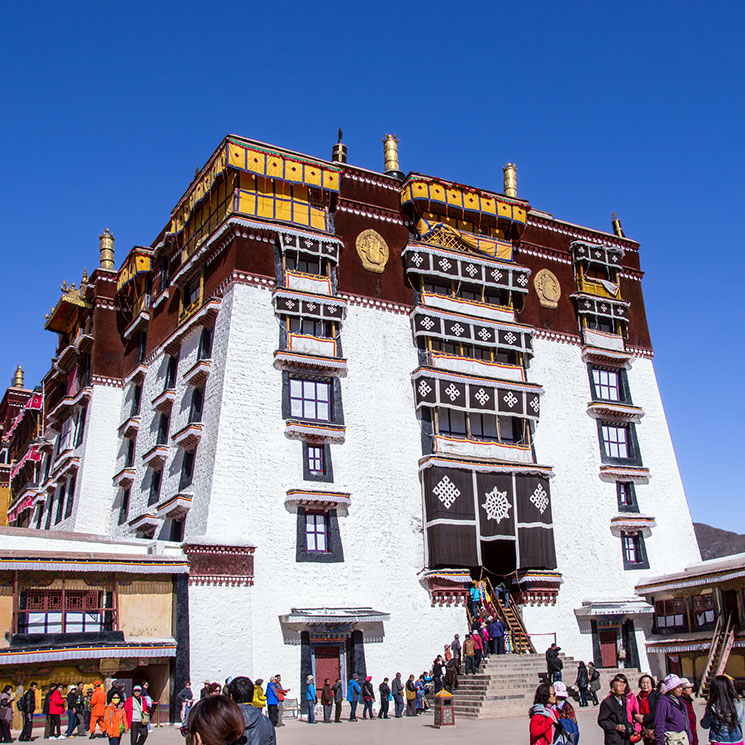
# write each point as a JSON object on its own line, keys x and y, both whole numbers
{"x": 106, "y": 249}
{"x": 18, "y": 378}
{"x": 615, "y": 221}
{"x": 339, "y": 151}
{"x": 510, "y": 180}
{"x": 390, "y": 151}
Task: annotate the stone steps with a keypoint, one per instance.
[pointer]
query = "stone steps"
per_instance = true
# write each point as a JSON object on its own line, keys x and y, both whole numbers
{"x": 505, "y": 685}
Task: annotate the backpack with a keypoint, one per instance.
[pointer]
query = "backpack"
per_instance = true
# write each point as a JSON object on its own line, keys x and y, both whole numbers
{"x": 567, "y": 732}
{"x": 21, "y": 704}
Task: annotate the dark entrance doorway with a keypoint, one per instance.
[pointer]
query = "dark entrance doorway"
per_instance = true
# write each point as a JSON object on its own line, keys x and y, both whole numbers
{"x": 729, "y": 604}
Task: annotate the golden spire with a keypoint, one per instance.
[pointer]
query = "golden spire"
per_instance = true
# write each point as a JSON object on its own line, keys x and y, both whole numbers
{"x": 615, "y": 221}
{"x": 18, "y": 378}
{"x": 510, "y": 180}
{"x": 390, "y": 151}
{"x": 84, "y": 278}
{"x": 106, "y": 249}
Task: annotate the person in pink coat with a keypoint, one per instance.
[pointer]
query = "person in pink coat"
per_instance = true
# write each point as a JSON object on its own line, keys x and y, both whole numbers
{"x": 478, "y": 646}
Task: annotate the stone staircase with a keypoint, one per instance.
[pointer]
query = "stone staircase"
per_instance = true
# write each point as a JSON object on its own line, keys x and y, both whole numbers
{"x": 505, "y": 685}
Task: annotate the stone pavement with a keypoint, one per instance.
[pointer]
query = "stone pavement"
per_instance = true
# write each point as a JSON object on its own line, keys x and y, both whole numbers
{"x": 472, "y": 731}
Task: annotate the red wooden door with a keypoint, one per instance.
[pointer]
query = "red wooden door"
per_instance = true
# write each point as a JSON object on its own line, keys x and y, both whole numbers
{"x": 327, "y": 664}
{"x": 608, "y": 648}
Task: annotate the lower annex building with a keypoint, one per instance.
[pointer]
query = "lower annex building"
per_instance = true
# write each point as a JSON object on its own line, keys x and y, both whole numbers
{"x": 340, "y": 395}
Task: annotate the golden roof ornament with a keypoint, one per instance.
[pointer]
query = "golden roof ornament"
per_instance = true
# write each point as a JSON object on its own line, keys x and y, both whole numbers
{"x": 510, "y": 180}
{"x": 18, "y": 377}
{"x": 84, "y": 279}
{"x": 390, "y": 152}
{"x": 615, "y": 221}
{"x": 106, "y": 249}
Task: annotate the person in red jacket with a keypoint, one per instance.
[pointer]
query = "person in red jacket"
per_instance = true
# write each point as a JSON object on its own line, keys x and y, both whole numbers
{"x": 57, "y": 708}
{"x": 138, "y": 716}
{"x": 543, "y": 717}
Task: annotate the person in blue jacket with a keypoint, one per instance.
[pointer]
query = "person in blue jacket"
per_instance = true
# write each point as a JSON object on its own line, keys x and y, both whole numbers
{"x": 310, "y": 694}
{"x": 272, "y": 701}
{"x": 353, "y": 696}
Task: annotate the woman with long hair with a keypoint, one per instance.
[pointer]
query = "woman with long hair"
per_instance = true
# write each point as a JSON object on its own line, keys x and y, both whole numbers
{"x": 543, "y": 718}
{"x": 583, "y": 680}
{"x": 215, "y": 720}
{"x": 724, "y": 712}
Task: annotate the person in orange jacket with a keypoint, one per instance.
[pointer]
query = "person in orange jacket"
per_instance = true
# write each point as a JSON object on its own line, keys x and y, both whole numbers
{"x": 98, "y": 707}
{"x": 115, "y": 720}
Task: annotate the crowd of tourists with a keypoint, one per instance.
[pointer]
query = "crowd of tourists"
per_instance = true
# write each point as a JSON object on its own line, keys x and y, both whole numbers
{"x": 657, "y": 714}
{"x": 89, "y": 708}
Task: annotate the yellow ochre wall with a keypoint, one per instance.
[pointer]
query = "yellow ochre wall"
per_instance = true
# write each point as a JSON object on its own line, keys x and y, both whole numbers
{"x": 4, "y": 504}
{"x": 146, "y": 609}
{"x": 6, "y": 614}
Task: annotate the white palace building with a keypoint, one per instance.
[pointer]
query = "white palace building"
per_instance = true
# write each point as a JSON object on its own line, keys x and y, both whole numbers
{"x": 320, "y": 402}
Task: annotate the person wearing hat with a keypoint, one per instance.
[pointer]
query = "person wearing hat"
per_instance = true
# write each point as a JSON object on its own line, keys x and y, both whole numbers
{"x": 138, "y": 716}
{"x": 98, "y": 707}
{"x": 327, "y": 700}
{"x": 569, "y": 730}
{"x": 368, "y": 696}
{"x": 613, "y": 717}
{"x": 353, "y": 696}
{"x": 687, "y": 699}
{"x": 310, "y": 695}
{"x": 723, "y": 716}
{"x": 671, "y": 717}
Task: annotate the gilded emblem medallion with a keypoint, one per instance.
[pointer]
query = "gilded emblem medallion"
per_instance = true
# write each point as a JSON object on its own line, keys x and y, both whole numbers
{"x": 372, "y": 250}
{"x": 547, "y": 288}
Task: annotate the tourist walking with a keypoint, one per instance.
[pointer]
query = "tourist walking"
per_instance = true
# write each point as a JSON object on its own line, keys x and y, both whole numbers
{"x": 216, "y": 720}
{"x": 311, "y": 698}
{"x": 272, "y": 701}
{"x": 647, "y": 697}
{"x": 98, "y": 706}
{"x": 27, "y": 705}
{"x": 80, "y": 708}
{"x": 687, "y": 698}
{"x": 385, "y": 694}
{"x": 594, "y": 686}
{"x": 205, "y": 690}
{"x": 410, "y": 697}
{"x": 469, "y": 653}
{"x": 257, "y": 728}
{"x": 6, "y": 713}
{"x": 543, "y": 719}
{"x": 670, "y": 716}
{"x": 496, "y": 633}
{"x": 451, "y": 675}
{"x": 632, "y": 706}
{"x": 185, "y": 699}
{"x": 478, "y": 649}
{"x": 456, "y": 649}
{"x": 613, "y": 716}
{"x": 72, "y": 717}
{"x": 327, "y": 701}
{"x": 474, "y": 598}
{"x": 368, "y": 696}
{"x": 115, "y": 720}
{"x": 138, "y": 716}
{"x": 583, "y": 680}
{"x": 353, "y": 696}
{"x": 57, "y": 707}
{"x": 338, "y": 698}
{"x": 397, "y": 689}
{"x": 723, "y": 716}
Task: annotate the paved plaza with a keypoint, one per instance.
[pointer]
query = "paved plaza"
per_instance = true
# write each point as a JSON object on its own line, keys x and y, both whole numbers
{"x": 506, "y": 730}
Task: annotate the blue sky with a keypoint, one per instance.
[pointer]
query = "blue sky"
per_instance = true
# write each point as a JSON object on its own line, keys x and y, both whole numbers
{"x": 629, "y": 107}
